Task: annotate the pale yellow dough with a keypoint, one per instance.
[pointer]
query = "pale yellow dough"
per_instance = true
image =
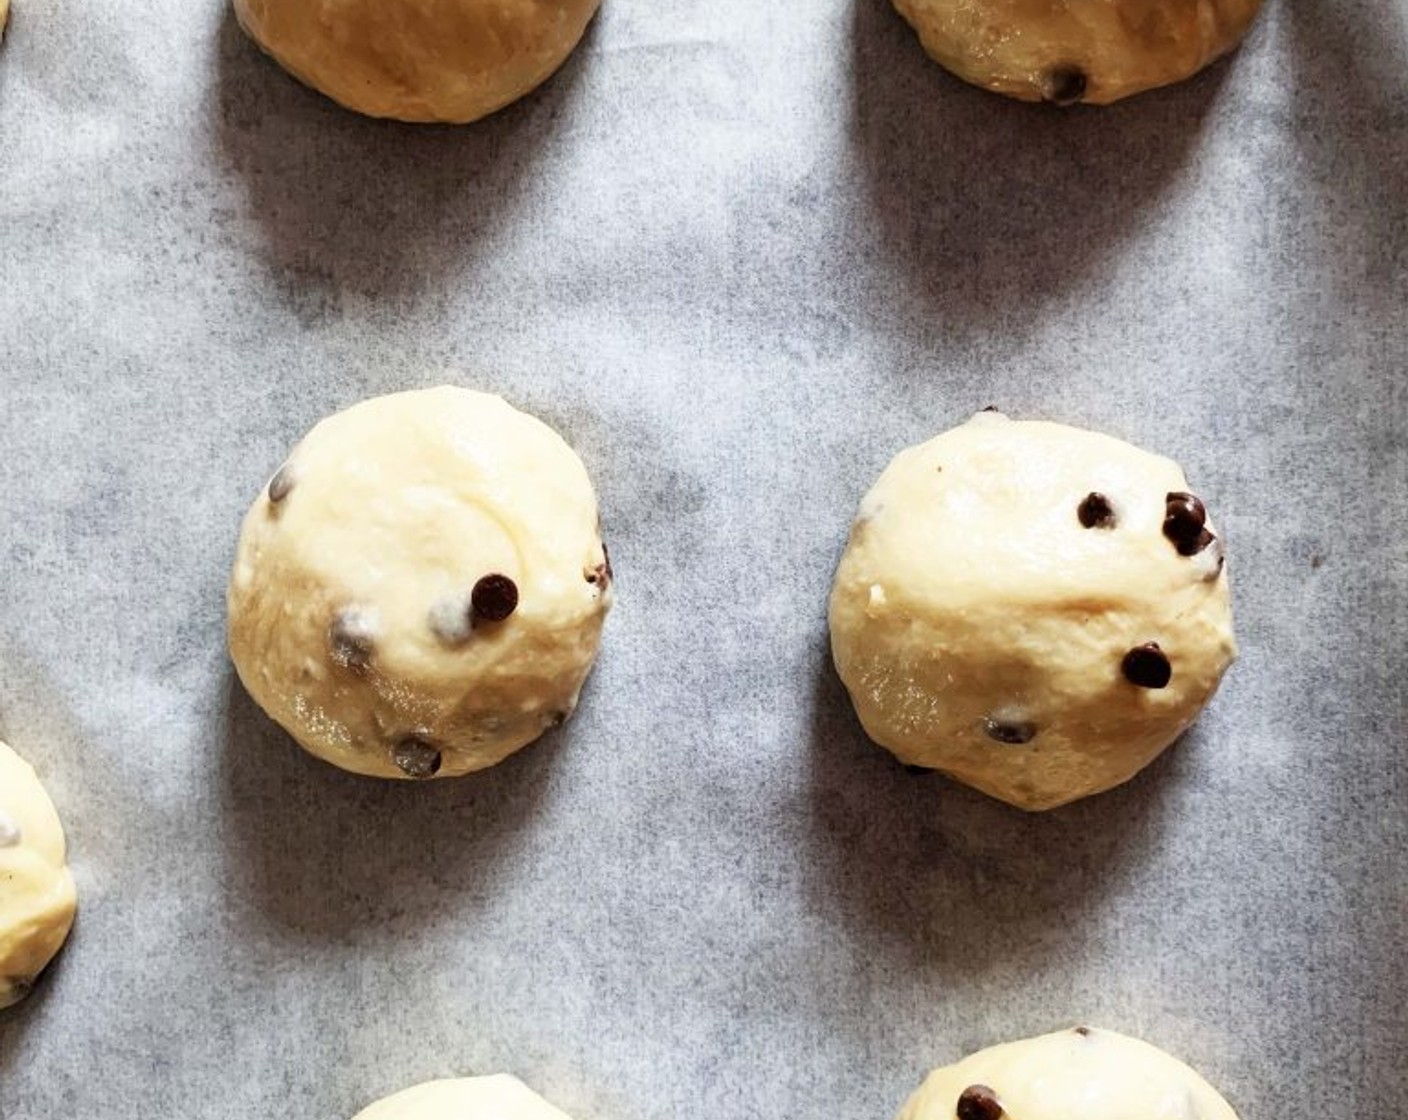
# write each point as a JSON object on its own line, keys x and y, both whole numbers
{"x": 419, "y": 60}
{"x": 37, "y": 897}
{"x": 981, "y": 629}
{"x": 1082, "y": 1074}
{"x": 349, "y": 603}
{"x": 467, "y": 1098}
{"x": 1096, "y": 51}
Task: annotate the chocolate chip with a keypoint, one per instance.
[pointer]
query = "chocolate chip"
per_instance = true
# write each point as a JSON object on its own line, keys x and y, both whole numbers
{"x": 1147, "y": 666}
{"x": 494, "y": 598}
{"x": 978, "y": 1102}
{"x": 1015, "y": 732}
{"x": 601, "y": 573}
{"x": 351, "y": 638}
{"x": 1096, "y": 512}
{"x": 1064, "y": 85}
{"x": 281, "y": 484}
{"x": 417, "y": 757}
{"x": 1084, "y": 1032}
{"x": 1184, "y": 521}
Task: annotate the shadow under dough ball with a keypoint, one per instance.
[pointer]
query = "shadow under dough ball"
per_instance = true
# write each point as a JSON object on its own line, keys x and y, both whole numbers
{"x": 452, "y": 61}
{"x": 1069, "y": 51}
{"x": 37, "y": 897}
{"x": 499, "y": 1097}
{"x": 1080, "y": 1074}
{"x": 1033, "y": 609}
{"x": 420, "y": 589}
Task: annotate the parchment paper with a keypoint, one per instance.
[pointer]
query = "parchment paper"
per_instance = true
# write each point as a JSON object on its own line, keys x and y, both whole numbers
{"x": 739, "y": 254}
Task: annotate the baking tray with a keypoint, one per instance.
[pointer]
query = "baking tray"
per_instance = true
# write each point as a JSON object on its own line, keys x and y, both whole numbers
{"x": 739, "y": 254}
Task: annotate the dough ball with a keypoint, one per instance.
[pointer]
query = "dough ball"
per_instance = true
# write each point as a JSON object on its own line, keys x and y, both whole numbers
{"x": 420, "y": 589}
{"x": 419, "y": 60}
{"x": 37, "y": 898}
{"x": 467, "y": 1098}
{"x": 1065, "y": 51}
{"x": 1033, "y": 609}
{"x": 1080, "y": 1074}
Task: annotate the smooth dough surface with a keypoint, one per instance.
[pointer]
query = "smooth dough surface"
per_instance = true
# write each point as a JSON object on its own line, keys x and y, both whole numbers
{"x": 419, "y": 60}
{"x": 499, "y": 1097}
{"x": 354, "y": 615}
{"x": 982, "y": 630}
{"x": 1081, "y": 1074}
{"x": 37, "y": 897}
{"x": 1096, "y": 51}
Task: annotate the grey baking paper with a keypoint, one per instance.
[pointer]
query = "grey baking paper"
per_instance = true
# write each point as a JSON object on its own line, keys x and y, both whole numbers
{"x": 738, "y": 254}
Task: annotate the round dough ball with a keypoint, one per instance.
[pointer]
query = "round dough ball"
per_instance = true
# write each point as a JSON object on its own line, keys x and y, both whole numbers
{"x": 467, "y": 1098}
{"x": 419, "y": 60}
{"x": 37, "y": 897}
{"x": 1065, "y": 51}
{"x": 1033, "y": 609}
{"x": 1080, "y": 1074}
{"x": 420, "y": 589}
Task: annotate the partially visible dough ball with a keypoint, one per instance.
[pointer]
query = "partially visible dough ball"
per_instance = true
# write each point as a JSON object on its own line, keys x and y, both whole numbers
{"x": 1033, "y": 609}
{"x": 419, "y": 60}
{"x": 1080, "y": 1074}
{"x": 420, "y": 589}
{"x": 467, "y": 1098}
{"x": 37, "y": 896}
{"x": 1065, "y": 51}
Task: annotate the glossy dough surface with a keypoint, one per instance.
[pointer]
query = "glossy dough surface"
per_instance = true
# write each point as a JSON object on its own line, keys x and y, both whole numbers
{"x": 419, "y": 60}
{"x": 982, "y": 629}
{"x": 1082, "y": 1074}
{"x": 1095, "y": 51}
{"x": 467, "y": 1098}
{"x": 37, "y": 897}
{"x": 354, "y": 603}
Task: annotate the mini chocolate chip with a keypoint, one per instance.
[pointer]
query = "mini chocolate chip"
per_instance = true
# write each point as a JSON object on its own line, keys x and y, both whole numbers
{"x": 1147, "y": 666}
{"x": 1064, "y": 85}
{"x": 1096, "y": 512}
{"x": 601, "y": 574}
{"x": 1015, "y": 732}
{"x": 281, "y": 484}
{"x": 1084, "y": 1032}
{"x": 350, "y": 638}
{"x": 416, "y": 757}
{"x": 1184, "y": 518}
{"x": 494, "y": 598}
{"x": 978, "y": 1102}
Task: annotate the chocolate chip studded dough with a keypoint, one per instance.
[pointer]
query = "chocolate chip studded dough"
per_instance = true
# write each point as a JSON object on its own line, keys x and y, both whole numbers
{"x": 1033, "y": 609}
{"x": 37, "y": 897}
{"x": 419, "y": 60}
{"x": 420, "y": 589}
{"x": 467, "y": 1098}
{"x": 1065, "y": 51}
{"x": 1080, "y": 1074}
